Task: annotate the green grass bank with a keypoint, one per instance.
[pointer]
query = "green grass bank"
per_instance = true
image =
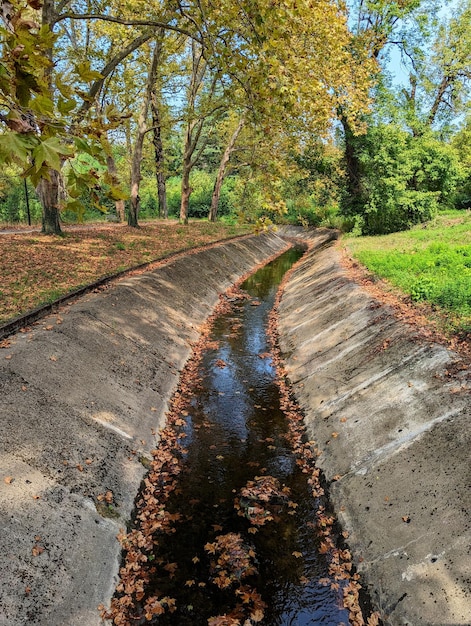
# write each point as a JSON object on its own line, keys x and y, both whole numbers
{"x": 430, "y": 263}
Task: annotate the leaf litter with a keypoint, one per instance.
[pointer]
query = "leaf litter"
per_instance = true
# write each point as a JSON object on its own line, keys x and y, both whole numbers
{"x": 232, "y": 559}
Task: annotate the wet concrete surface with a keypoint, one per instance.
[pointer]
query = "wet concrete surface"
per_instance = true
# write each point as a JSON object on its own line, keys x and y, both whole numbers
{"x": 83, "y": 393}
{"x": 394, "y": 431}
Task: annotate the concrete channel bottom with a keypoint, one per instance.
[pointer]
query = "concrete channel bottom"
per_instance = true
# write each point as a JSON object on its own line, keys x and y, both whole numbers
{"x": 85, "y": 391}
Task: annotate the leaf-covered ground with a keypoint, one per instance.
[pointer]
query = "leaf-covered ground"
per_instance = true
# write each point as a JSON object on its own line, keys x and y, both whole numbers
{"x": 36, "y": 269}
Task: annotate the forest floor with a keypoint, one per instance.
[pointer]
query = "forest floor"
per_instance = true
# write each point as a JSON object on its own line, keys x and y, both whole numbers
{"x": 37, "y": 269}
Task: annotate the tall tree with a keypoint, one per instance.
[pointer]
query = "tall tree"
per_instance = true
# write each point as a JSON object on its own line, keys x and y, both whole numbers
{"x": 222, "y": 170}
{"x": 441, "y": 73}
{"x": 375, "y": 25}
{"x": 201, "y": 106}
{"x": 39, "y": 94}
{"x": 142, "y": 129}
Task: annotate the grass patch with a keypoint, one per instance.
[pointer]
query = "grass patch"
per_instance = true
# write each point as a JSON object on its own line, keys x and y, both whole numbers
{"x": 430, "y": 263}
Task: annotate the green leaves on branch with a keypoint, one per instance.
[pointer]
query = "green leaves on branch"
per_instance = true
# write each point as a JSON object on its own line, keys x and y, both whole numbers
{"x": 85, "y": 73}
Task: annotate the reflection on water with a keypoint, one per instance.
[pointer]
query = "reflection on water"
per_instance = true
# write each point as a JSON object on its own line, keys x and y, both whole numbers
{"x": 246, "y": 537}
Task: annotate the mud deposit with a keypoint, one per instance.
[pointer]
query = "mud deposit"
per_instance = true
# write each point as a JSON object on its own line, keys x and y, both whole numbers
{"x": 241, "y": 539}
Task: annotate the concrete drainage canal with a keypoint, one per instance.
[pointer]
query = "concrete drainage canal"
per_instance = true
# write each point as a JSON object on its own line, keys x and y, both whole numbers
{"x": 231, "y": 525}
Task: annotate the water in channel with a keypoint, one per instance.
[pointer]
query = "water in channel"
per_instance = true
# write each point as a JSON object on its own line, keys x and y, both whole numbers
{"x": 245, "y": 544}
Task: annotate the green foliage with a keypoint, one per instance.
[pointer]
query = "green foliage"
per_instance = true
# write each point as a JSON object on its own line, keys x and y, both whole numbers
{"x": 430, "y": 264}
{"x": 13, "y": 198}
{"x": 405, "y": 179}
{"x": 202, "y": 184}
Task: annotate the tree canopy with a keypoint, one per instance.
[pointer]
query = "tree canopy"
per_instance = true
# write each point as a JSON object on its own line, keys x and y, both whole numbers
{"x": 99, "y": 99}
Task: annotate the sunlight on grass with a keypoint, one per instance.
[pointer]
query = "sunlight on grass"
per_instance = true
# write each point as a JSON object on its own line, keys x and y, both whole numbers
{"x": 430, "y": 263}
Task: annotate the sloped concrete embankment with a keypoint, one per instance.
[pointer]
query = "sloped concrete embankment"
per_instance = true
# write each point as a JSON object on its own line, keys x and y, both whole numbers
{"x": 394, "y": 432}
{"x": 81, "y": 396}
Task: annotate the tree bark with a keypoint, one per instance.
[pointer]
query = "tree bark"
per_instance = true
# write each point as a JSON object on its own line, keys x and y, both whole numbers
{"x": 355, "y": 187}
{"x": 119, "y": 204}
{"x": 49, "y": 188}
{"x": 194, "y": 128}
{"x": 159, "y": 158}
{"x": 48, "y": 192}
{"x": 158, "y": 146}
{"x": 222, "y": 172}
{"x": 135, "y": 200}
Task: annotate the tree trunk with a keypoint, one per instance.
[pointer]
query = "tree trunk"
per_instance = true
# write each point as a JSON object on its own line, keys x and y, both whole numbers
{"x": 141, "y": 132}
{"x": 48, "y": 189}
{"x": 48, "y": 192}
{"x": 222, "y": 172}
{"x": 355, "y": 187}
{"x": 135, "y": 201}
{"x": 194, "y": 127}
{"x": 186, "y": 192}
{"x": 119, "y": 204}
{"x": 159, "y": 161}
{"x": 157, "y": 140}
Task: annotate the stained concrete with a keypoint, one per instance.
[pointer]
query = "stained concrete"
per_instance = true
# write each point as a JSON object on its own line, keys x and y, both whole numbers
{"x": 82, "y": 398}
{"x": 393, "y": 429}
{"x": 85, "y": 391}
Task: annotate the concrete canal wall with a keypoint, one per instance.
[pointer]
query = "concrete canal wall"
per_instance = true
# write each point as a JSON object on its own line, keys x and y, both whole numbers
{"x": 391, "y": 415}
{"x": 84, "y": 391}
{"x": 81, "y": 396}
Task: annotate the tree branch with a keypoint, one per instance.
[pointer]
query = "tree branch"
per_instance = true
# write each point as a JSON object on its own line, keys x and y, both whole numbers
{"x": 109, "y": 68}
{"x": 126, "y": 22}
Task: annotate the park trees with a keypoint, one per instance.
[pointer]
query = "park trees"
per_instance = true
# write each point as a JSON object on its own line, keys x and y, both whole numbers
{"x": 47, "y": 99}
{"x": 61, "y": 63}
{"x": 409, "y": 127}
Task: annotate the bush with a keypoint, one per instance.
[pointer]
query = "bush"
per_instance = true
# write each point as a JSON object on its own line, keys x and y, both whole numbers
{"x": 406, "y": 179}
{"x": 13, "y": 200}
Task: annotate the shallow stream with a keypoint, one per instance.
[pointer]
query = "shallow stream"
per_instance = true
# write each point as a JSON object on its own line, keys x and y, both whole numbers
{"x": 245, "y": 547}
